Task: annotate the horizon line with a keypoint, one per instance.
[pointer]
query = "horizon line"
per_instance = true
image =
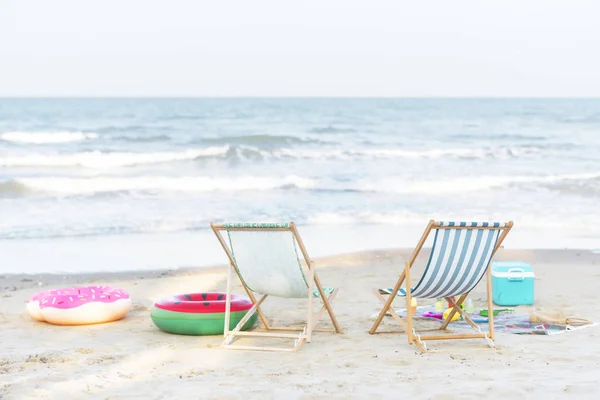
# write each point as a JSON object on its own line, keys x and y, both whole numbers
{"x": 299, "y": 97}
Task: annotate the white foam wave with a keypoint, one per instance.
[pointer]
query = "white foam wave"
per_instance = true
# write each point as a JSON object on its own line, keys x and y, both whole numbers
{"x": 419, "y": 220}
{"x": 46, "y": 137}
{"x": 164, "y": 183}
{"x": 348, "y": 154}
{"x": 470, "y": 184}
{"x": 480, "y": 153}
{"x": 100, "y": 160}
{"x": 399, "y": 218}
{"x": 71, "y": 185}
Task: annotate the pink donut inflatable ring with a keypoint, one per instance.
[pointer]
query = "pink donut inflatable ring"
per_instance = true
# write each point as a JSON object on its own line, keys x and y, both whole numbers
{"x": 79, "y": 305}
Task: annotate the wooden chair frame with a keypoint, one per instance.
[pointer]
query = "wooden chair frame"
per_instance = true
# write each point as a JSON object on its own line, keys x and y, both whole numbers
{"x": 405, "y": 278}
{"x": 305, "y": 334}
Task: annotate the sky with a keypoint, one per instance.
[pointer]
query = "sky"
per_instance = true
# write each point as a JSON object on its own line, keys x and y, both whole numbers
{"x": 337, "y": 48}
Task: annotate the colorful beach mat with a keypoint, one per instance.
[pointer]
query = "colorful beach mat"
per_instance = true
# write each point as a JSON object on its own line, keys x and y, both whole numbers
{"x": 504, "y": 323}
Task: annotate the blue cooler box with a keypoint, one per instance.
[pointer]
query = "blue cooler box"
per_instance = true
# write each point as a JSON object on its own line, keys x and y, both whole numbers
{"x": 512, "y": 283}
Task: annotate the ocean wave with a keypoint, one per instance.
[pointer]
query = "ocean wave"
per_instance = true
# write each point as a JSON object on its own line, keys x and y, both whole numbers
{"x": 101, "y": 160}
{"x": 263, "y": 140}
{"x": 331, "y": 129}
{"x": 383, "y": 153}
{"x": 12, "y": 188}
{"x": 86, "y": 186}
{"x": 399, "y": 218}
{"x": 62, "y": 231}
{"x": 410, "y": 222}
{"x": 471, "y": 184}
{"x": 46, "y": 137}
{"x": 583, "y": 183}
{"x": 244, "y": 152}
{"x": 584, "y": 187}
{"x": 184, "y": 117}
{"x": 414, "y": 219}
{"x": 500, "y": 136}
{"x": 342, "y": 154}
{"x": 476, "y": 153}
{"x": 142, "y": 139}
{"x": 131, "y": 128}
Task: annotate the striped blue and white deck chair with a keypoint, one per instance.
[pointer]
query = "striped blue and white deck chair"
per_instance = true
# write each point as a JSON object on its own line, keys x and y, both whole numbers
{"x": 459, "y": 258}
{"x": 267, "y": 259}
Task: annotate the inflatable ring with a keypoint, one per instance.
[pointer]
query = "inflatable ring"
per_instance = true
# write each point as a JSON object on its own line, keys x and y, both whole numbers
{"x": 79, "y": 305}
{"x": 200, "y": 313}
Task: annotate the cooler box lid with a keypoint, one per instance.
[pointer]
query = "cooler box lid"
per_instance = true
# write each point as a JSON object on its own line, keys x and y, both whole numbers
{"x": 512, "y": 270}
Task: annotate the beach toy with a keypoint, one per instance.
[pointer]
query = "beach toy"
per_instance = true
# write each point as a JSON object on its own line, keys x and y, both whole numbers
{"x": 413, "y": 306}
{"x": 469, "y": 308}
{"x": 200, "y": 313}
{"x": 79, "y": 305}
{"x": 431, "y": 314}
{"x": 447, "y": 312}
{"x": 484, "y": 312}
{"x": 439, "y": 304}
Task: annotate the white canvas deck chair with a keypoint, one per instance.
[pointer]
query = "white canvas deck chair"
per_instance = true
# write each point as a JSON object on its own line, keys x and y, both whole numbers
{"x": 266, "y": 259}
{"x": 459, "y": 258}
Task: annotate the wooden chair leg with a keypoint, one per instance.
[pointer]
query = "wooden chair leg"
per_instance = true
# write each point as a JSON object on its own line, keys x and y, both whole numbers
{"x": 490, "y": 303}
{"x": 409, "y": 312}
{"x": 391, "y": 310}
{"x": 455, "y": 308}
{"x": 327, "y": 304}
{"x": 230, "y": 335}
{"x": 319, "y": 315}
{"x": 309, "y": 322}
{"x": 387, "y": 305}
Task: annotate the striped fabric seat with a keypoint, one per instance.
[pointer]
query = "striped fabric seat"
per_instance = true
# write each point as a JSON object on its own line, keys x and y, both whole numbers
{"x": 458, "y": 259}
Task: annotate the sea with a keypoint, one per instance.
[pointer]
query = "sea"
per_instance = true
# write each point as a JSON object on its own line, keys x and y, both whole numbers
{"x": 99, "y": 184}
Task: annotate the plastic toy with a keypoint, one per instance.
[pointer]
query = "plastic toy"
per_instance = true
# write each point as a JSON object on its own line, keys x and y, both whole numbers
{"x": 484, "y": 313}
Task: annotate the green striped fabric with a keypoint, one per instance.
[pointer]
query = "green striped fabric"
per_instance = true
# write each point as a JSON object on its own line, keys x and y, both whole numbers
{"x": 261, "y": 225}
{"x": 326, "y": 290}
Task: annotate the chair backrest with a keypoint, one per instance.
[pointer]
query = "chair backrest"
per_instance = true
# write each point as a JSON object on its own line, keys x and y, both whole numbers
{"x": 459, "y": 258}
{"x": 266, "y": 257}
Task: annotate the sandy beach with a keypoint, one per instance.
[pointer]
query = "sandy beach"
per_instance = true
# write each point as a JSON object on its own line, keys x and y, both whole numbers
{"x": 132, "y": 359}
{"x": 132, "y": 132}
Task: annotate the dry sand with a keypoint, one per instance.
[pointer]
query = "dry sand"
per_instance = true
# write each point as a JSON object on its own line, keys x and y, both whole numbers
{"x": 132, "y": 359}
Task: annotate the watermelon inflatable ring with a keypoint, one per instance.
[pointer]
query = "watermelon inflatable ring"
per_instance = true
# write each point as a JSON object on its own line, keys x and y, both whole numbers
{"x": 200, "y": 313}
{"x": 79, "y": 305}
